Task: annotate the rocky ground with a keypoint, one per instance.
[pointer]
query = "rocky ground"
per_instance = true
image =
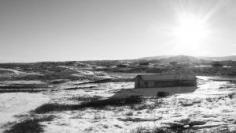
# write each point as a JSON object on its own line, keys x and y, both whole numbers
{"x": 211, "y": 108}
{"x": 84, "y": 102}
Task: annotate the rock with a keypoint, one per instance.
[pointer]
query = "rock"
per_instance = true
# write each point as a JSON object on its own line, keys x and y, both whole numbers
{"x": 193, "y": 123}
{"x": 234, "y": 122}
{"x": 185, "y": 121}
{"x": 189, "y": 102}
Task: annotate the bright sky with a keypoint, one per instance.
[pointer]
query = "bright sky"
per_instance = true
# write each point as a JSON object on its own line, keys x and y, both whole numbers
{"x": 57, "y": 30}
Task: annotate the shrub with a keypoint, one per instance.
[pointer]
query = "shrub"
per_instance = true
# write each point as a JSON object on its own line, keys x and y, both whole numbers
{"x": 162, "y": 94}
{"x": 92, "y": 104}
{"x": 29, "y": 126}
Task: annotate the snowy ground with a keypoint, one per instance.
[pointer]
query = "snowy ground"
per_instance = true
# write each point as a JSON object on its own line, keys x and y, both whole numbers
{"x": 209, "y": 106}
{"x": 212, "y": 105}
{"x": 13, "y": 104}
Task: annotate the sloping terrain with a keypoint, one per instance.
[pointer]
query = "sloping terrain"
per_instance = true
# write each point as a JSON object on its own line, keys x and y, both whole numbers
{"x": 211, "y": 107}
{"x": 77, "y": 97}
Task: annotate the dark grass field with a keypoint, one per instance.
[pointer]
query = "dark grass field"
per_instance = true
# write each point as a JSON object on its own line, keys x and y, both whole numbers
{"x": 29, "y": 125}
{"x": 98, "y": 104}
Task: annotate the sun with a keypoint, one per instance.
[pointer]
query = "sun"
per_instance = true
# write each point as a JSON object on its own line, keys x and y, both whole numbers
{"x": 190, "y": 29}
{"x": 189, "y": 33}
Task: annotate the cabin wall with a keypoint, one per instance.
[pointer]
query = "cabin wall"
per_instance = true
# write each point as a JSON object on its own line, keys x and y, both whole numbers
{"x": 176, "y": 83}
{"x": 153, "y": 84}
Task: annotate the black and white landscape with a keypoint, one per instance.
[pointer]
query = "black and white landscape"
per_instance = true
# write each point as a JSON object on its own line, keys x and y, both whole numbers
{"x": 117, "y": 66}
{"x": 99, "y": 96}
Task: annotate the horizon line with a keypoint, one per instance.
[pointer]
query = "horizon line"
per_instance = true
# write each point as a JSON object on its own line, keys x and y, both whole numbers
{"x": 44, "y": 61}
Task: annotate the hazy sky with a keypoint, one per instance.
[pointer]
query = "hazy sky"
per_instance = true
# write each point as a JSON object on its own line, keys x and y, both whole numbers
{"x": 38, "y": 30}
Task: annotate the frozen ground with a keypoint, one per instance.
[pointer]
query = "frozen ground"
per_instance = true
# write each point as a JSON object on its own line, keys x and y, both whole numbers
{"x": 211, "y": 107}
{"x": 13, "y": 104}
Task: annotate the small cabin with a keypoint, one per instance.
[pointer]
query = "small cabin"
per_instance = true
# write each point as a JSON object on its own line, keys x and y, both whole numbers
{"x": 164, "y": 80}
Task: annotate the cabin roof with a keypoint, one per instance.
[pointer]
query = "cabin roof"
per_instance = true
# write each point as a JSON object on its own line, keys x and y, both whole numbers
{"x": 164, "y": 77}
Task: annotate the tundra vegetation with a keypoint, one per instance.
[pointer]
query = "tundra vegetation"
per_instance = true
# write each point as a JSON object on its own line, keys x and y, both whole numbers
{"x": 87, "y": 96}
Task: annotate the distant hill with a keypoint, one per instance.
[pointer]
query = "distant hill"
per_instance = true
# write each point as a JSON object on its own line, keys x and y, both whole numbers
{"x": 178, "y": 58}
{"x": 224, "y": 58}
{"x": 188, "y": 59}
{"x": 185, "y": 58}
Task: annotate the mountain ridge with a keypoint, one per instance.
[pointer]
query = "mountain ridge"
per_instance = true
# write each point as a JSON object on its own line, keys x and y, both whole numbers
{"x": 221, "y": 58}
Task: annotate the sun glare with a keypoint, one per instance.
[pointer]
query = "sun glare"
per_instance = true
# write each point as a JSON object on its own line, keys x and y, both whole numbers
{"x": 189, "y": 33}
